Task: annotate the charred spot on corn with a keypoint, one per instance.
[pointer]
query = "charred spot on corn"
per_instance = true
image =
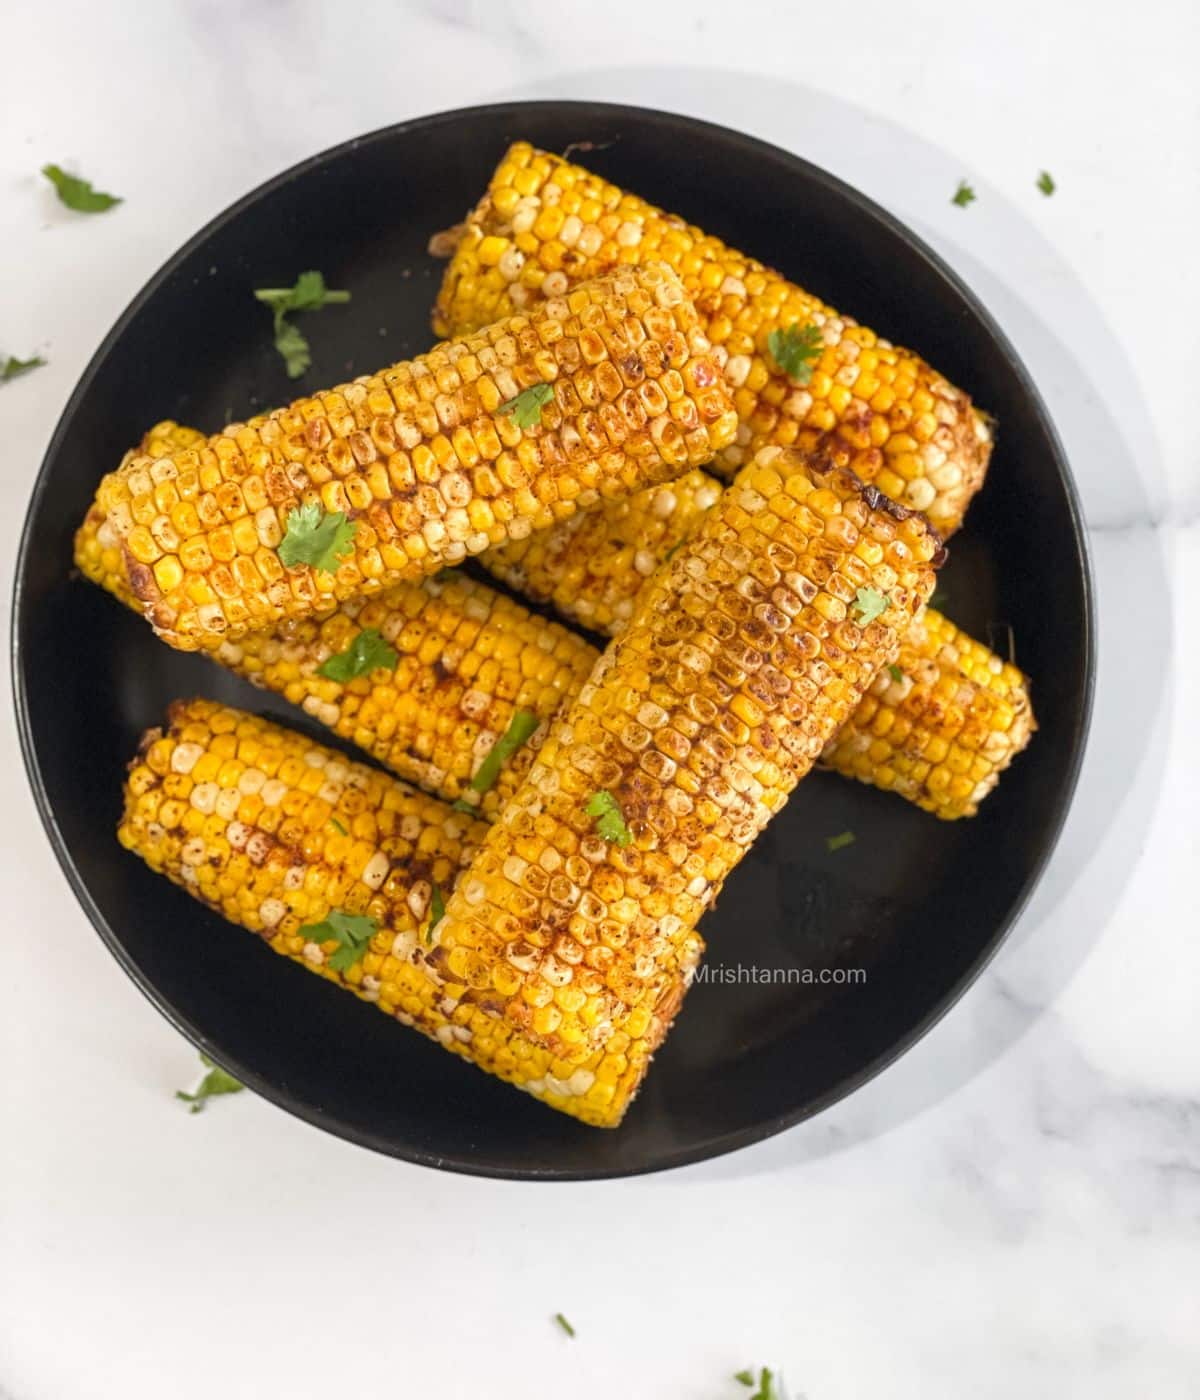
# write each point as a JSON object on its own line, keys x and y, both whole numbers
{"x": 526, "y": 407}
{"x": 315, "y": 537}
{"x": 610, "y": 821}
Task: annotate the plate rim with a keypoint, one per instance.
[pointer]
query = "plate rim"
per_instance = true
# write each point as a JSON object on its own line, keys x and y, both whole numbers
{"x": 722, "y": 1143}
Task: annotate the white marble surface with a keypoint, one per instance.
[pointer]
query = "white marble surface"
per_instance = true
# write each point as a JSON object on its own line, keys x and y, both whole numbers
{"x": 1014, "y": 1208}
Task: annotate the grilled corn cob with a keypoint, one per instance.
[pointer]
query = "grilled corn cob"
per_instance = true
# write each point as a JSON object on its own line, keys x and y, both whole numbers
{"x": 277, "y": 833}
{"x": 591, "y": 395}
{"x": 544, "y": 224}
{"x": 590, "y": 568}
{"x": 470, "y": 663}
{"x": 942, "y": 726}
{"x": 97, "y": 549}
{"x": 742, "y": 659}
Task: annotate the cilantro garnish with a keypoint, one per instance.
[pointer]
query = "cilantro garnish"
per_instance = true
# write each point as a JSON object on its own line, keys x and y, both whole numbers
{"x": 869, "y": 604}
{"x": 767, "y": 1387}
{"x": 367, "y": 652}
{"x": 526, "y": 408}
{"x": 437, "y": 912}
{"x": 745, "y": 1377}
{"x": 338, "y": 827}
{"x": 1045, "y": 183}
{"x": 963, "y": 196}
{"x": 895, "y": 672}
{"x": 462, "y": 805}
{"x": 315, "y": 538}
{"x": 76, "y": 193}
{"x": 610, "y": 823}
{"x": 520, "y": 729}
{"x": 564, "y": 1324}
{"x": 216, "y": 1081}
{"x": 835, "y": 843}
{"x": 796, "y": 350}
{"x": 12, "y": 368}
{"x": 308, "y": 294}
{"x": 353, "y": 932}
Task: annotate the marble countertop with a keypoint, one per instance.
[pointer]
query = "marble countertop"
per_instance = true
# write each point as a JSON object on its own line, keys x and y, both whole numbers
{"x": 1011, "y": 1210}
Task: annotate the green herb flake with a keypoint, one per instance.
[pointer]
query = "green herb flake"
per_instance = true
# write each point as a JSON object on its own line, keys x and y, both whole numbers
{"x": 744, "y": 1377}
{"x": 836, "y": 843}
{"x": 12, "y": 368}
{"x": 610, "y": 823}
{"x": 1045, "y": 183}
{"x": 215, "y": 1081}
{"x": 767, "y": 1389}
{"x": 895, "y": 672}
{"x": 520, "y": 729}
{"x": 869, "y": 604}
{"x": 367, "y": 652}
{"x": 308, "y": 294}
{"x": 673, "y": 551}
{"x": 76, "y": 193}
{"x": 338, "y": 827}
{"x": 351, "y": 932}
{"x": 526, "y": 408}
{"x": 437, "y": 912}
{"x": 963, "y": 196}
{"x": 564, "y": 1324}
{"x": 939, "y": 598}
{"x": 462, "y": 805}
{"x": 796, "y": 350}
{"x": 315, "y": 538}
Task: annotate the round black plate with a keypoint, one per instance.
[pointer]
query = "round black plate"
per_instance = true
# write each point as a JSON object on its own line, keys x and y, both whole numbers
{"x": 920, "y": 905}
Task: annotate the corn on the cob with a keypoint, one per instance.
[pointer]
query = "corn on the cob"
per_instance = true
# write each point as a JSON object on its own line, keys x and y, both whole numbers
{"x": 590, "y": 568}
{"x": 402, "y": 472}
{"x": 741, "y": 661}
{"x": 941, "y": 728}
{"x": 97, "y": 549}
{"x": 469, "y": 663}
{"x": 545, "y": 223}
{"x": 276, "y": 833}
{"x": 471, "y": 659}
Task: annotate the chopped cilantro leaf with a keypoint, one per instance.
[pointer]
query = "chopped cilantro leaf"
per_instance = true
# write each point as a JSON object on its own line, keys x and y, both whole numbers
{"x": 895, "y": 672}
{"x": 462, "y": 805}
{"x": 564, "y": 1324}
{"x": 292, "y": 344}
{"x": 216, "y": 1081}
{"x": 745, "y": 1377}
{"x": 338, "y": 827}
{"x": 77, "y": 193}
{"x": 796, "y": 350}
{"x": 869, "y": 604}
{"x": 1045, "y": 183}
{"x": 308, "y": 294}
{"x": 351, "y": 932}
{"x": 835, "y": 843}
{"x": 526, "y": 408}
{"x": 316, "y": 538}
{"x": 610, "y": 823}
{"x": 367, "y": 652}
{"x": 963, "y": 196}
{"x": 12, "y": 368}
{"x": 520, "y": 729}
{"x": 437, "y": 912}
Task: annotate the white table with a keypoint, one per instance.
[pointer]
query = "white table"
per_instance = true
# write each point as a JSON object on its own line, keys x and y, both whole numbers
{"x": 1012, "y": 1209}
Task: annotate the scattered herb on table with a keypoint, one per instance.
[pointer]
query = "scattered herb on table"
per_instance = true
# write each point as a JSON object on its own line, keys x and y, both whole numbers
{"x": 564, "y": 1324}
{"x": 77, "y": 193}
{"x": 964, "y": 195}
{"x": 12, "y": 368}
{"x": 1045, "y": 183}
{"x": 215, "y": 1081}
{"x": 835, "y": 843}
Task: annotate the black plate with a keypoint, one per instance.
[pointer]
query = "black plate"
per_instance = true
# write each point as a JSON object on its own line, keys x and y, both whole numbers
{"x": 921, "y": 905}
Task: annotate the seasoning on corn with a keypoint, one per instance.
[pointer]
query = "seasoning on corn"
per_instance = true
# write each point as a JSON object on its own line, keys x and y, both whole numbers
{"x": 940, "y": 727}
{"x": 422, "y": 461}
{"x": 740, "y": 663}
{"x": 544, "y": 224}
{"x": 238, "y": 811}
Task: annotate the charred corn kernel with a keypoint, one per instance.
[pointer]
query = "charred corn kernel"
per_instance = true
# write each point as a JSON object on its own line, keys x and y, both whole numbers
{"x": 255, "y": 879}
{"x": 468, "y": 660}
{"x": 594, "y": 439}
{"x": 730, "y": 644}
{"x": 941, "y": 729}
{"x": 861, "y": 385}
{"x": 590, "y": 567}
